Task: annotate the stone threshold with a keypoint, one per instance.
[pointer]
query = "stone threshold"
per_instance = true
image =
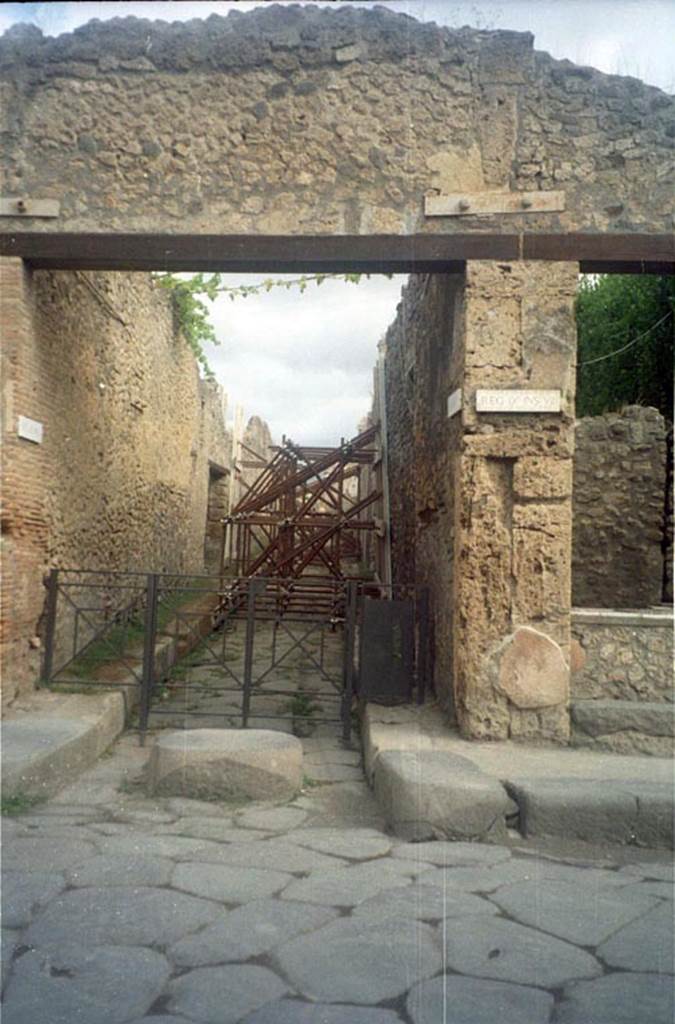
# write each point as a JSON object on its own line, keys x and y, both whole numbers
{"x": 557, "y": 791}
{"x": 656, "y": 616}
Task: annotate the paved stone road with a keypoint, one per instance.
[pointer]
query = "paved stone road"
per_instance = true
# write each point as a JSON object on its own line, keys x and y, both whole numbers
{"x": 122, "y": 909}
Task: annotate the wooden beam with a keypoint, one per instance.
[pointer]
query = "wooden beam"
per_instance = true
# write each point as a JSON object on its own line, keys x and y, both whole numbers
{"x": 655, "y": 250}
{"x": 429, "y": 253}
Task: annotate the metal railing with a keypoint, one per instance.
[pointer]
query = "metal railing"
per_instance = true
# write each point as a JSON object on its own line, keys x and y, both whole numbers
{"x": 190, "y": 650}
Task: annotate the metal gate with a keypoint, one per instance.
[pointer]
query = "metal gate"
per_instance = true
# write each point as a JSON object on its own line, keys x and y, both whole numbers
{"x": 191, "y": 651}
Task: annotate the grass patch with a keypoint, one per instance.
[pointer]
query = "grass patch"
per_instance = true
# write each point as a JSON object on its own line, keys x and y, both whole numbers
{"x": 301, "y": 705}
{"x": 11, "y": 806}
{"x": 109, "y": 648}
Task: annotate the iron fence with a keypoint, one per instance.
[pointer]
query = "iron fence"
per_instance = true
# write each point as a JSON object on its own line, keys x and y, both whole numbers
{"x": 266, "y": 652}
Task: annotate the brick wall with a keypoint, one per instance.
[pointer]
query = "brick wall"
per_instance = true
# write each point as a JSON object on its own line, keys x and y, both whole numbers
{"x": 120, "y": 480}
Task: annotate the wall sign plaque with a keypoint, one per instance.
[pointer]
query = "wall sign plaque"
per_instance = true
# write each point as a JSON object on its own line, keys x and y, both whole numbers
{"x": 512, "y": 400}
{"x": 454, "y": 402}
{"x": 29, "y": 430}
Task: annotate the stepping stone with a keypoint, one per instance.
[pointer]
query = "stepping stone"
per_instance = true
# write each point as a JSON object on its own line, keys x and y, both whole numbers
{"x": 619, "y": 999}
{"x": 646, "y": 944}
{"x": 249, "y": 931}
{"x": 84, "y": 985}
{"x": 291, "y": 1011}
{"x": 359, "y": 961}
{"x": 499, "y": 949}
{"x": 224, "y": 994}
{"x": 559, "y": 908}
{"x": 226, "y": 764}
{"x": 23, "y": 893}
{"x": 119, "y": 916}
{"x": 470, "y": 1001}
{"x": 431, "y": 794}
{"x": 228, "y": 884}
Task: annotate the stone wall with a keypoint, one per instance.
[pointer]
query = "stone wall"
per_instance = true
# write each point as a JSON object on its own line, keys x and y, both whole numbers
{"x": 619, "y": 509}
{"x": 421, "y": 442}
{"x": 299, "y": 120}
{"x": 622, "y": 655}
{"x": 481, "y": 503}
{"x": 120, "y": 479}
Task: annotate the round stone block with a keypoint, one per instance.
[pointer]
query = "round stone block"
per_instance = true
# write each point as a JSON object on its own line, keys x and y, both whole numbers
{"x": 226, "y": 764}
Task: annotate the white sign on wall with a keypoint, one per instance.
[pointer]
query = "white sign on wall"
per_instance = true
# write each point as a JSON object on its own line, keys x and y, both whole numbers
{"x": 512, "y": 400}
{"x": 29, "y": 430}
{"x": 454, "y": 402}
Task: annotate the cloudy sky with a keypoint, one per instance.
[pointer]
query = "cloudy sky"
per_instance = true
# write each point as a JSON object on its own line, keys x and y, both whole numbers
{"x": 304, "y": 363}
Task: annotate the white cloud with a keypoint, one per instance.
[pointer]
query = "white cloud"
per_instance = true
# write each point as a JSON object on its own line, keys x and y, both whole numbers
{"x": 304, "y": 361}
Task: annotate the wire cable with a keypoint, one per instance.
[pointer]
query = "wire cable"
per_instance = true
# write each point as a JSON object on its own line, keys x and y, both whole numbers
{"x": 608, "y": 355}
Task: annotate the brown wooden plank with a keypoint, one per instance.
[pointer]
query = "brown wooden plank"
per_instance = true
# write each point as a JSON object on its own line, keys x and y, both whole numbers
{"x": 447, "y": 253}
{"x": 471, "y": 204}
{"x": 608, "y": 248}
{"x": 264, "y": 253}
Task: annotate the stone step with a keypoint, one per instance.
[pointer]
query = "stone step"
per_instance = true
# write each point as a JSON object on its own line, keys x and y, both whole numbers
{"x": 624, "y": 726}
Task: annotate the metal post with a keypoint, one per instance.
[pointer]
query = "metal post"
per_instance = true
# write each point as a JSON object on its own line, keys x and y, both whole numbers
{"x": 150, "y": 639}
{"x": 254, "y": 588}
{"x": 348, "y": 662}
{"x": 384, "y": 443}
{"x": 52, "y": 600}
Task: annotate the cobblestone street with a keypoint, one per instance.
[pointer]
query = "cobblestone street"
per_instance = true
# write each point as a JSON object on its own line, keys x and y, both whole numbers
{"x": 118, "y": 908}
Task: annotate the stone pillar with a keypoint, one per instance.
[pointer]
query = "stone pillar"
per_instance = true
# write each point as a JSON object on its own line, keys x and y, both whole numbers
{"x": 515, "y": 328}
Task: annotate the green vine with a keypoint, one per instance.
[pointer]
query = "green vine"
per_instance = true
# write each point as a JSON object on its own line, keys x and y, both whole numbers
{"x": 193, "y": 314}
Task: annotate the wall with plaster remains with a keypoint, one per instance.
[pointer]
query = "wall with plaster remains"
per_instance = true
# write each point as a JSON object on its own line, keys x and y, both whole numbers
{"x": 121, "y": 478}
{"x": 619, "y": 509}
{"x": 306, "y": 121}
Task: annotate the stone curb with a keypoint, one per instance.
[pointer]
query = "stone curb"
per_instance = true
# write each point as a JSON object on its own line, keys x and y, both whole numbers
{"x": 584, "y": 801}
{"x": 61, "y": 735}
{"x": 50, "y": 746}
